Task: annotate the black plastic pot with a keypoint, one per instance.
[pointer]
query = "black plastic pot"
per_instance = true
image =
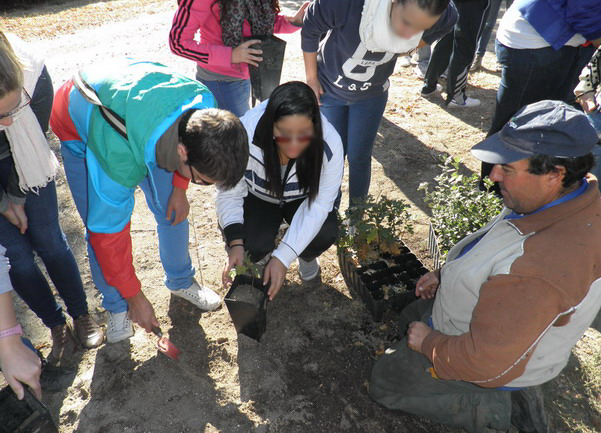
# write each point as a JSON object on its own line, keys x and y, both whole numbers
{"x": 406, "y": 270}
{"x": 249, "y": 315}
{"x": 266, "y": 77}
{"x": 24, "y": 416}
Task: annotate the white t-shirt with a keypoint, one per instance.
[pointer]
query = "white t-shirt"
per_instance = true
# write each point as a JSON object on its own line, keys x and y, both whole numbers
{"x": 515, "y": 32}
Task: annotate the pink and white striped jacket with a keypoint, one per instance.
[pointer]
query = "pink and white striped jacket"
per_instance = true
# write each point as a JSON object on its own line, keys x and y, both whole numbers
{"x": 210, "y": 53}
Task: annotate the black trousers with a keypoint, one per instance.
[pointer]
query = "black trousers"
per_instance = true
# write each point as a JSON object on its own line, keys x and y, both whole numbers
{"x": 263, "y": 219}
{"x": 456, "y": 49}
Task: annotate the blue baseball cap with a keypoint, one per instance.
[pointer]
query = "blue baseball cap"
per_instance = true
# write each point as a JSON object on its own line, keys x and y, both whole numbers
{"x": 544, "y": 128}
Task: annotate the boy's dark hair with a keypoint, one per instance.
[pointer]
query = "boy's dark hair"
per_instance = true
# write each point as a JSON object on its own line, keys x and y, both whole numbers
{"x": 217, "y": 144}
{"x": 289, "y": 99}
{"x": 433, "y": 7}
{"x": 576, "y": 168}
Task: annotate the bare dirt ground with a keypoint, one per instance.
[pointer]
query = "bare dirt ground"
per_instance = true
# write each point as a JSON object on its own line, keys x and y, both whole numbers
{"x": 309, "y": 372}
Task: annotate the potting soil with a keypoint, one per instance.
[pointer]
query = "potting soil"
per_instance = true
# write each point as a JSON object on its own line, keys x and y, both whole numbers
{"x": 247, "y": 293}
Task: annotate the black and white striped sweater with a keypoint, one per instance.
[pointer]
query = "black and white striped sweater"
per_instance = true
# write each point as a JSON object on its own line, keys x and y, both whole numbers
{"x": 308, "y": 219}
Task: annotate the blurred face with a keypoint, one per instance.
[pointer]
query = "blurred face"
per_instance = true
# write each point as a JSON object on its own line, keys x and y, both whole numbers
{"x": 8, "y": 105}
{"x": 524, "y": 192}
{"x": 292, "y": 135}
{"x": 408, "y": 19}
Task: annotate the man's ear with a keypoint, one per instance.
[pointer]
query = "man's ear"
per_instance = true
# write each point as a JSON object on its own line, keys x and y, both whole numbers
{"x": 557, "y": 175}
{"x": 182, "y": 152}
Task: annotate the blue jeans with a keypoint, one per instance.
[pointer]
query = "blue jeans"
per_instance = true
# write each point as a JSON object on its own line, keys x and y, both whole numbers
{"x": 230, "y": 95}
{"x": 532, "y": 75}
{"x": 44, "y": 236}
{"x": 173, "y": 240}
{"x": 357, "y": 122}
{"x": 491, "y": 21}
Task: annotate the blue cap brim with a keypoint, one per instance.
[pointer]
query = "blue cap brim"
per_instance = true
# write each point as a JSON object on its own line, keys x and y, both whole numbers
{"x": 495, "y": 151}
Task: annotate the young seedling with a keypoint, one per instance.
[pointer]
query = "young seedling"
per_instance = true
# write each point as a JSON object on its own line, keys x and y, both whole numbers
{"x": 246, "y": 268}
{"x": 372, "y": 227}
{"x": 458, "y": 206}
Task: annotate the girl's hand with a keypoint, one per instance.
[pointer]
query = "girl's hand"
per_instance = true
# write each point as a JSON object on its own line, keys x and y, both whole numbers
{"x": 297, "y": 18}
{"x": 235, "y": 257}
{"x": 20, "y": 365}
{"x": 316, "y": 87}
{"x": 275, "y": 274}
{"x": 427, "y": 285}
{"x": 243, "y": 53}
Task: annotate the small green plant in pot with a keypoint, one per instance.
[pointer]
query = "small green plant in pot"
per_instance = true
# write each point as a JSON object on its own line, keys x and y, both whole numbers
{"x": 372, "y": 227}
{"x": 458, "y": 206}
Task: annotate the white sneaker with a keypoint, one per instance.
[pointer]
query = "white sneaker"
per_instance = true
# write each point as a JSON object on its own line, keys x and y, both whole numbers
{"x": 466, "y": 103}
{"x": 119, "y": 327}
{"x": 420, "y": 72}
{"x": 404, "y": 61}
{"x": 429, "y": 92}
{"x": 308, "y": 270}
{"x": 203, "y": 297}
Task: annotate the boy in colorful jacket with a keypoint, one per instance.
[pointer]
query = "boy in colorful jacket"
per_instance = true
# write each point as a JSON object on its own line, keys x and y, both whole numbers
{"x": 173, "y": 134}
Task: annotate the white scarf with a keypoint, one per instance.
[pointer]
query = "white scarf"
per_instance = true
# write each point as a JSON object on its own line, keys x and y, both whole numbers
{"x": 376, "y": 32}
{"x": 35, "y": 163}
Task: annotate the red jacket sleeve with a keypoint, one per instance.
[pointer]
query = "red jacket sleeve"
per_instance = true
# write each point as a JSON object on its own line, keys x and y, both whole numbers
{"x": 114, "y": 254}
{"x": 180, "y": 181}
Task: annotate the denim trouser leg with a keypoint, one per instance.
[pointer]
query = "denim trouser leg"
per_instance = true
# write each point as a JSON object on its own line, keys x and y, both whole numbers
{"x": 77, "y": 177}
{"x": 43, "y": 235}
{"x": 173, "y": 239}
{"x": 531, "y": 75}
{"x": 491, "y": 21}
{"x": 231, "y": 95}
{"x": 357, "y": 123}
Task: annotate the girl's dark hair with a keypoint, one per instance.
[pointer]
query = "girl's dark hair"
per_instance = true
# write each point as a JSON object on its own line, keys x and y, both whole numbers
{"x": 289, "y": 99}
{"x": 576, "y": 168}
{"x": 433, "y": 7}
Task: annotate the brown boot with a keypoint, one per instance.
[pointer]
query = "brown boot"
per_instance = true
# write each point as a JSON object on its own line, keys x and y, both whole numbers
{"x": 63, "y": 343}
{"x": 88, "y": 332}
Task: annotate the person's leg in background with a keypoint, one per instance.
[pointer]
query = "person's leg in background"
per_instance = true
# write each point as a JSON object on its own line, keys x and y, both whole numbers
{"x": 364, "y": 119}
{"x": 439, "y": 61}
{"x": 29, "y": 281}
{"x": 464, "y": 45}
{"x": 119, "y": 326}
{"x": 308, "y": 263}
{"x": 490, "y": 18}
{"x": 49, "y": 241}
{"x": 174, "y": 244}
{"x": 231, "y": 95}
{"x": 422, "y": 59}
{"x": 336, "y": 111}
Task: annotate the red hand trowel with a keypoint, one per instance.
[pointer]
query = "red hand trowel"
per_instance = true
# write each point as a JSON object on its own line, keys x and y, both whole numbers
{"x": 164, "y": 345}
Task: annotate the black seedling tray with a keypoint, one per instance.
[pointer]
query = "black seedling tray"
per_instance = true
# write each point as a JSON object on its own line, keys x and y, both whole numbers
{"x": 266, "y": 77}
{"x": 250, "y": 313}
{"x": 24, "y": 416}
{"x": 367, "y": 281}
